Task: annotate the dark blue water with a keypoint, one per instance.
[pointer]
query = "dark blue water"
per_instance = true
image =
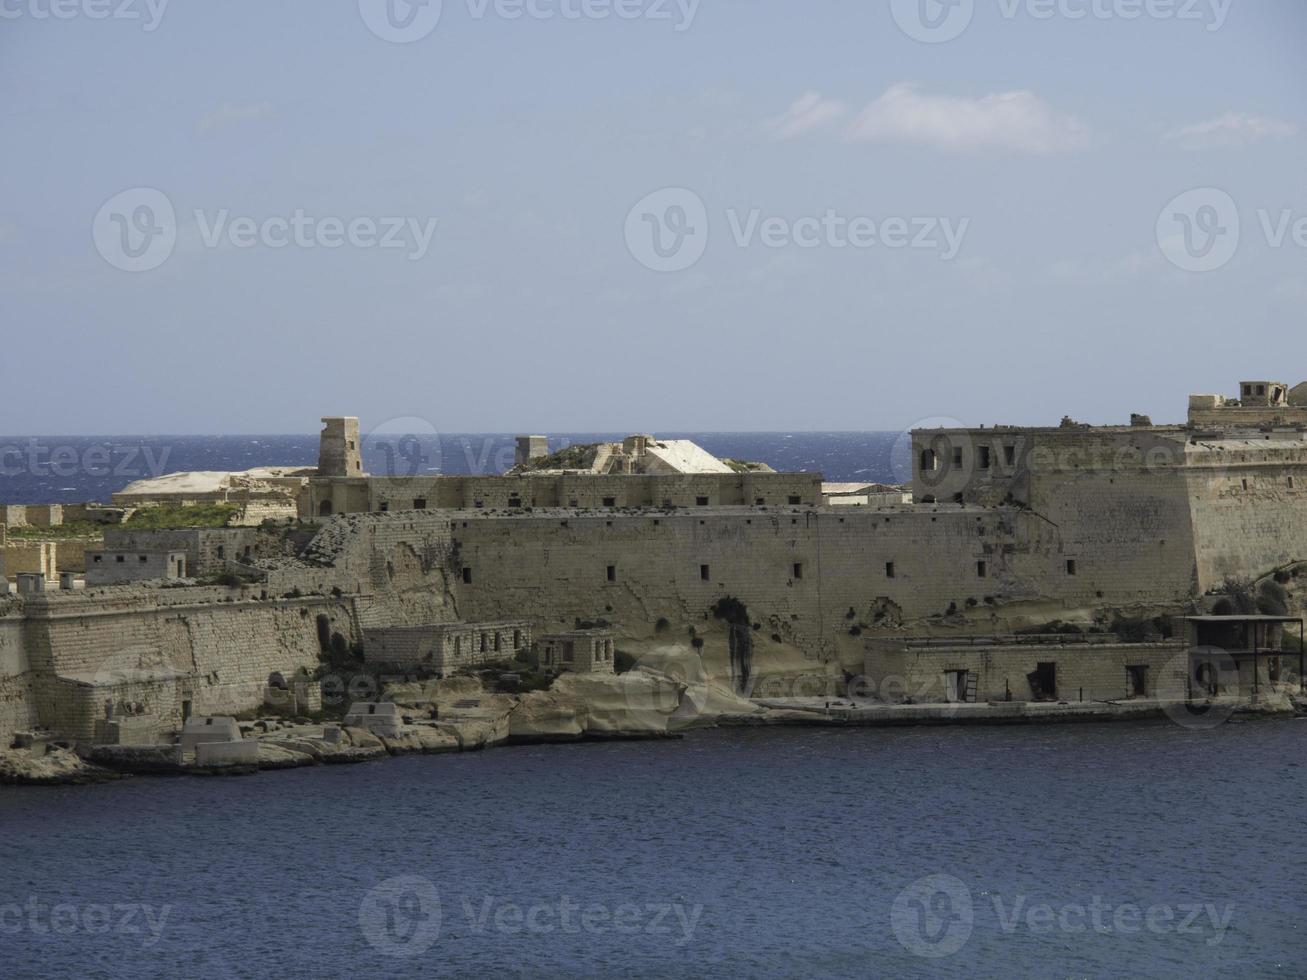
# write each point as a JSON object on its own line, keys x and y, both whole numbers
{"x": 63, "y": 469}
{"x": 787, "y": 853}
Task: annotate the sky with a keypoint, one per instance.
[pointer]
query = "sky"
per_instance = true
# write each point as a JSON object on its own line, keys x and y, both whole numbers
{"x": 644, "y": 215}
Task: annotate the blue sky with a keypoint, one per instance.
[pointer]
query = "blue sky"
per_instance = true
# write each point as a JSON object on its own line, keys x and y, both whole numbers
{"x": 504, "y": 157}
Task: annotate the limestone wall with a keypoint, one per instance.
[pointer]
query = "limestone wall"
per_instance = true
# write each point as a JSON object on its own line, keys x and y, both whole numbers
{"x": 896, "y": 671}
{"x": 226, "y": 643}
{"x": 17, "y": 698}
{"x": 800, "y": 572}
{"x": 1248, "y": 518}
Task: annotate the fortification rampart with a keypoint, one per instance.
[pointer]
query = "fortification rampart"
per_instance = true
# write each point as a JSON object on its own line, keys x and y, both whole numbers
{"x": 212, "y": 647}
{"x": 332, "y": 495}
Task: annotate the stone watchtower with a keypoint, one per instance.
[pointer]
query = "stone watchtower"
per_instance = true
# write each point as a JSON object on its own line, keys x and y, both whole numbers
{"x": 338, "y": 451}
{"x": 529, "y": 448}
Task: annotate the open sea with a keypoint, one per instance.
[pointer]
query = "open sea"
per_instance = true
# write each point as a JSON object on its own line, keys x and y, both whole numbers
{"x": 1126, "y": 850}
{"x": 1145, "y": 850}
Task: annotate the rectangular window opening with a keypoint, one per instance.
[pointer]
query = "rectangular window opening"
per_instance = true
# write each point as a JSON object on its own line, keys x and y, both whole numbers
{"x": 704, "y": 573}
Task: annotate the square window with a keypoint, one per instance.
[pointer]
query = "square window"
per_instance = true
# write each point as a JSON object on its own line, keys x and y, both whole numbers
{"x": 419, "y": 503}
{"x": 701, "y": 501}
{"x": 610, "y": 501}
{"x": 795, "y": 500}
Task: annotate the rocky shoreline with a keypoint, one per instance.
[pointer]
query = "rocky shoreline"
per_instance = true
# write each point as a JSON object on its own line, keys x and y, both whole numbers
{"x": 461, "y": 716}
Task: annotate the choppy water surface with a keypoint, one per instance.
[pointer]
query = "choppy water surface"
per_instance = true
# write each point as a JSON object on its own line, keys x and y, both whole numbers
{"x": 1085, "y": 850}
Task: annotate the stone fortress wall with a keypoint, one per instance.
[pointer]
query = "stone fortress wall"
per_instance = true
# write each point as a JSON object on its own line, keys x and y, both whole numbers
{"x": 213, "y": 647}
{"x": 1008, "y": 526}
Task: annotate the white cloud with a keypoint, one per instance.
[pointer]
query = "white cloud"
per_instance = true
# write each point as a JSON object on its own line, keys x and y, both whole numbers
{"x": 1231, "y": 129}
{"x": 229, "y": 115}
{"x": 1015, "y": 121}
{"x": 809, "y": 112}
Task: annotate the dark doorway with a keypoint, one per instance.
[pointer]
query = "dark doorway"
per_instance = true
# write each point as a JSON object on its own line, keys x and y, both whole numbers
{"x": 959, "y": 686}
{"x": 1043, "y": 681}
{"x": 1138, "y": 678}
